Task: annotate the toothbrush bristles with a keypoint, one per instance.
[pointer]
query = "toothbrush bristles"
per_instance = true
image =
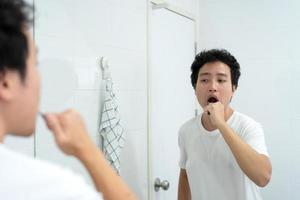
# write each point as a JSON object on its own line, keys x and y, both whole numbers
{"x": 42, "y": 114}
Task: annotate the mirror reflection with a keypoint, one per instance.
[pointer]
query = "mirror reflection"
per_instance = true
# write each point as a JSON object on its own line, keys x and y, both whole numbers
{"x": 150, "y": 99}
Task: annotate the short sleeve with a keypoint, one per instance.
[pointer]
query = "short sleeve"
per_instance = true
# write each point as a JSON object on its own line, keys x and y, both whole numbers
{"x": 254, "y": 136}
{"x": 183, "y": 156}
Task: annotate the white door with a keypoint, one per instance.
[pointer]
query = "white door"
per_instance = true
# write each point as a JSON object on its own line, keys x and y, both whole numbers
{"x": 171, "y": 96}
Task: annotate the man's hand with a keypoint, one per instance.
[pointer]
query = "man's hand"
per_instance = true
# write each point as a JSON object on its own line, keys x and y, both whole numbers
{"x": 69, "y": 131}
{"x": 72, "y": 138}
{"x": 215, "y": 113}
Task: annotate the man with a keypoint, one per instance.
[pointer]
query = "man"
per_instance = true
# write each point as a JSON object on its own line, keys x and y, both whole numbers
{"x": 22, "y": 177}
{"x": 222, "y": 152}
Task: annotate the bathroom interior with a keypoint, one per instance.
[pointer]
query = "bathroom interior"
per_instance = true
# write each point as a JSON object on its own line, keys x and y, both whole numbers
{"x": 148, "y": 47}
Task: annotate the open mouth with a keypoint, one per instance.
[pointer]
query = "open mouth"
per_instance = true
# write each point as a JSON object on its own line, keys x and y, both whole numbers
{"x": 212, "y": 100}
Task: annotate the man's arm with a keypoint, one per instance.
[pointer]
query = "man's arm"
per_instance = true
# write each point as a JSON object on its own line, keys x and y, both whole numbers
{"x": 184, "y": 192}
{"x": 72, "y": 138}
{"x": 256, "y": 166}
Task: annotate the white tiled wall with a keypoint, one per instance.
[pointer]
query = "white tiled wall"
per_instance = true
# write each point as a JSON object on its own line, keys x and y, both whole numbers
{"x": 264, "y": 37}
{"x": 71, "y": 36}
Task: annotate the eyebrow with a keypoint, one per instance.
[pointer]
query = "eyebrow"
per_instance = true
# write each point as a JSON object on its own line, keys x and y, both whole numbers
{"x": 209, "y": 74}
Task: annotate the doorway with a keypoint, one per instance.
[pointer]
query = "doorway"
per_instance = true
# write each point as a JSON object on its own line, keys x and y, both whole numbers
{"x": 171, "y": 40}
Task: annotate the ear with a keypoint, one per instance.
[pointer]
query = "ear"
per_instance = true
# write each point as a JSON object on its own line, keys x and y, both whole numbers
{"x": 233, "y": 91}
{"x": 234, "y": 88}
{"x": 9, "y": 81}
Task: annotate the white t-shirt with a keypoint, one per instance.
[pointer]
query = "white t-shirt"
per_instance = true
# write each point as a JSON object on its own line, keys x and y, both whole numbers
{"x": 22, "y": 177}
{"x": 212, "y": 170}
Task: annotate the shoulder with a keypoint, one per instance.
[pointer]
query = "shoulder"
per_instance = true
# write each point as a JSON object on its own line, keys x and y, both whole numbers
{"x": 246, "y": 126}
{"x": 34, "y": 175}
{"x": 188, "y": 127}
{"x": 244, "y": 120}
{"x": 190, "y": 124}
{"x": 21, "y": 163}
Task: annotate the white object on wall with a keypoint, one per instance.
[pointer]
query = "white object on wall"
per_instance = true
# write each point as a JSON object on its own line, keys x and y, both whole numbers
{"x": 111, "y": 130}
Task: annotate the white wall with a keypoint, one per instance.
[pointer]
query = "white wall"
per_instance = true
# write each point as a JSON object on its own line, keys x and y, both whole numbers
{"x": 263, "y": 36}
{"x": 71, "y": 36}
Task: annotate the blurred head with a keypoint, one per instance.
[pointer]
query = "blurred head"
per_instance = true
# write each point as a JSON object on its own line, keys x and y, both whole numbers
{"x": 215, "y": 75}
{"x": 19, "y": 78}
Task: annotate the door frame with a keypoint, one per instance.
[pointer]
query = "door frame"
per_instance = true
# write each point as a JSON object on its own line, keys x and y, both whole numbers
{"x": 159, "y": 4}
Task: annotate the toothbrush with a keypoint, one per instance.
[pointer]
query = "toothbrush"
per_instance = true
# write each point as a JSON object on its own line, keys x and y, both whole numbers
{"x": 41, "y": 114}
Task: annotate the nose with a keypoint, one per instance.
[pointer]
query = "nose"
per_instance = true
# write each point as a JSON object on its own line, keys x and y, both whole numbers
{"x": 213, "y": 87}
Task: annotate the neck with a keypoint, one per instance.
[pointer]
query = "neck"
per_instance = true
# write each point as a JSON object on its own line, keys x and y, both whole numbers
{"x": 2, "y": 131}
{"x": 2, "y": 135}
{"x": 206, "y": 122}
{"x": 1, "y": 138}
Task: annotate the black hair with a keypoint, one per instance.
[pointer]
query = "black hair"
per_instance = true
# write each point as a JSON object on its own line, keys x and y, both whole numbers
{"x": 14, "y": 20}
{"x": 214, "y": 55}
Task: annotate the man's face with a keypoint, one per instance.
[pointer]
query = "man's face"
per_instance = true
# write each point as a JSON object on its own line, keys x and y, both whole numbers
{"x": 26, "y": 101}
{"x": 214, "y": 84}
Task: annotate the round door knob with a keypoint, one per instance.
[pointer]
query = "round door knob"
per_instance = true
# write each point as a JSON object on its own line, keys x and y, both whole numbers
{"x": 161, "y": 184}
